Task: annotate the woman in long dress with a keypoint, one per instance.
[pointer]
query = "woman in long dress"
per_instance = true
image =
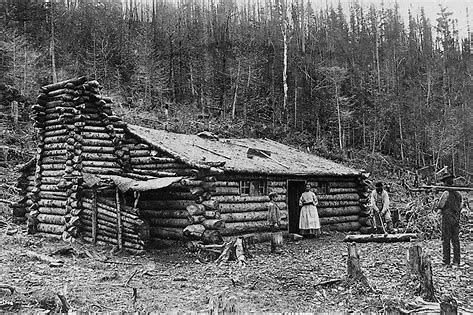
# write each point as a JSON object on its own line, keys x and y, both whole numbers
{"x": 309, "y": 223}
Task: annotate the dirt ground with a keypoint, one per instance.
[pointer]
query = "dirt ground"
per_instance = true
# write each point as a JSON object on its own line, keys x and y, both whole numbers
{"x": 172, "y": 279}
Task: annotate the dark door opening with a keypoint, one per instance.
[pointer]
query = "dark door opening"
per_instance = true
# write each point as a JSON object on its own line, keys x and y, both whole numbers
{"x": 295, "y": 188}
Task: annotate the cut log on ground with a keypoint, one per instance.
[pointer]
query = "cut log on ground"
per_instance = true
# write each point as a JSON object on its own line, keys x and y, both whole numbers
{"x": 381, "y": 238}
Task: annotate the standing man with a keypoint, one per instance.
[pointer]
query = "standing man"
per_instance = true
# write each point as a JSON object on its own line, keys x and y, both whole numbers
{"x": 379, "y": 203}
{"x": 309, "y": 223}
{"x": 450, "y": 206}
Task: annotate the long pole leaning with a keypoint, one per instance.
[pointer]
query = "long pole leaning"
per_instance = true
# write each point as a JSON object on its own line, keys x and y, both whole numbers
{"x": 119, "y": 219}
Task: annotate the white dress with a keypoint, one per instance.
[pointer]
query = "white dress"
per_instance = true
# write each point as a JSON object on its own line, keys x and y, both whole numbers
{"x": 309, "y": 218}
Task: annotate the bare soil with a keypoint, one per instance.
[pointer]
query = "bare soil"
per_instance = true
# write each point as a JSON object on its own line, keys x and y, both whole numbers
{"x": 172, "y": 279}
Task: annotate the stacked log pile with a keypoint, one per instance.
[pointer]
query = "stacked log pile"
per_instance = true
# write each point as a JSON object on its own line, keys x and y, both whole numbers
{"x": 64, "y": 115}
{"x": 247, "y": 214}
{"x": 185, "y": 209}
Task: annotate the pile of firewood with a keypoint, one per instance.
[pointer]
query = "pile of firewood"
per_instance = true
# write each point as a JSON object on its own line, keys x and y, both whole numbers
{"x": 66, "y": 148}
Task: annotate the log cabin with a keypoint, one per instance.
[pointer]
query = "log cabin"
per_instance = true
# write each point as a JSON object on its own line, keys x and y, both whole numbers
{"x": 106, "y": 181}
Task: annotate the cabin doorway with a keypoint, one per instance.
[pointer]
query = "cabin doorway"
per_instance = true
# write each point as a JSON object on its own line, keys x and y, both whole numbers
{"x": 295, "y": 188}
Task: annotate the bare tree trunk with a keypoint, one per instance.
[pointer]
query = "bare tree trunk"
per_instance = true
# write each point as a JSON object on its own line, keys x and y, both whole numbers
{"x": 295, "y": 99}
{"x": 340, "y": 138}
{"x": 401, "y": 137}
{"x": 236, "y": 92}
{"x": 51, "y": 46}
{"x": 283, "y": 14}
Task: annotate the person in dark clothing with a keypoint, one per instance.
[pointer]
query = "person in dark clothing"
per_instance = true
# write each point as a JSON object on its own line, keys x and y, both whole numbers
{"x": 450, "y": 206}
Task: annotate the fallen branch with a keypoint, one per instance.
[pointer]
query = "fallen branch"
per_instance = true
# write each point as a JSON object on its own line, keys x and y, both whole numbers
{"x": 65, "y": 307}
{"x": 131, "y": 277}
{"x": 50, "y": 260}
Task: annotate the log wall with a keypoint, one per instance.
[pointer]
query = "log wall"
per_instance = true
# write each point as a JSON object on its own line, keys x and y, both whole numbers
{"x": 342, "y": 203}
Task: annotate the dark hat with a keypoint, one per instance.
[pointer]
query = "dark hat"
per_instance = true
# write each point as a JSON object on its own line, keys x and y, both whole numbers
{"x": 445, "y": 176}
{"x": 379, "y": 185}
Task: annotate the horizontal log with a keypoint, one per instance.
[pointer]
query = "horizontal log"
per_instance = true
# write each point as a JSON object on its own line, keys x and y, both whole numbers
{"x": 241, "y": 199}
{"x": 48, "y": 203}
{"x": 176, "y": 214}
{"x": 97, "y": 143}
{"x": 53, "y": 159}
{"x": 227, "y": 184}
{"x": 60, "y": 152}
{"x": 51, "y": 219}
{"x": 50, "y": 228}
{"x": 339, "y": 219}
{"x": 278, "y": 190}
{"x": 54, "y": 146}
{"x": 53, "y": 173}
{"x": 381, "y": 238}
{"x": 247, "y": 207}
{"x": 343, "y": 227}
{"x": 97, "y": 136}
{"x": 337, "y": 203}
{"x": 102, "y": 170}
{"x": 55, "y": 133}
{"x": 341, "y": 211}
{"x": 102, "y": 129}
{"x": 213, "y": 224}
{"x": 166, "y": 232}
{"x": 61, "y": 211}
{"x": 52, "y": 195}
{"x": 343, "y": 190}
{"x": 212, "y": 214}
{"x": 226, "y": 191}
{"x": 101, "y": 164}
{"x": 110, "y": 211}
{"x": 97, "y": 149}
{"x": 162, "y": 166}
{"x": 153, "y": 160}
{"x": 97, "y": 156}
{"x": 52, "y": 167}
{"x": 245, "y": 216}
{"x": 277, "y": 183}
{"x": 345, "y": 197}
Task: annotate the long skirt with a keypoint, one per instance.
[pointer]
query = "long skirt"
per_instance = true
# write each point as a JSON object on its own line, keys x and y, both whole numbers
{"x": 309, "y": 222}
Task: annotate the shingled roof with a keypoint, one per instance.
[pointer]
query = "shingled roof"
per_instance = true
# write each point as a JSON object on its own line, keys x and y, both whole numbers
{"x": 262, "y": 156}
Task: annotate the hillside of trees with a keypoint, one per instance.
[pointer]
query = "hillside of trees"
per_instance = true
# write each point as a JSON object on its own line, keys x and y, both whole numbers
{"x": 344, "y": 83}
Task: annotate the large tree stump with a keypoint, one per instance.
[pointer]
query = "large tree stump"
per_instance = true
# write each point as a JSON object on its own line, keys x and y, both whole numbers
{"x": 354, "y": 271}
{"x": 419, "y": 265}
{"x": 426, "y": 280}
{"x": 414, "y": 260}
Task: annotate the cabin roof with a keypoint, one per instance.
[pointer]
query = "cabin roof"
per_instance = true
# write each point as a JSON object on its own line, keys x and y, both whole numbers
{"x": 261, "y": 156}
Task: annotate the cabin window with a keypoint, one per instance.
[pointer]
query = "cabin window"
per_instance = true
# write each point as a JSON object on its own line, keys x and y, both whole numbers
{"x": 245, "y": 187}
{"x": 253, "y": 187}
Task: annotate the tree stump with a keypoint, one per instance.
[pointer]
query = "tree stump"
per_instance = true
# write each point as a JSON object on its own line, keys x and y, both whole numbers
{"x": 414, "y": 260}
{"x": 419, "y": 265}
{"x": 353, "y": 263}
{"x": 448, "y": 305}
{"x": 276, "y": 242}
{"x": 354, "y": 271}
{"x": 426, "y": 280}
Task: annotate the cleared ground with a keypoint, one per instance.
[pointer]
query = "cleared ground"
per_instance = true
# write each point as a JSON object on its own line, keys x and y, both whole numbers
{"x": 172, "y": 279}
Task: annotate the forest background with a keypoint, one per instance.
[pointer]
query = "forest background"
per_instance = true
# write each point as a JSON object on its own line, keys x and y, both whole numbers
{"x": 343, "y": 84}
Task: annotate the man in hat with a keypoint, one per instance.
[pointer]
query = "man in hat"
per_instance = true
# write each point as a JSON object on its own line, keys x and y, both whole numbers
{"x": 379, "y": 203}
{"x": 450, "y": 205}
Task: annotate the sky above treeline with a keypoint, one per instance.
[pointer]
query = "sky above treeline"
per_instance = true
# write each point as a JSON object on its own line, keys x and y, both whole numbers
{"x": 431, "y": 8}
